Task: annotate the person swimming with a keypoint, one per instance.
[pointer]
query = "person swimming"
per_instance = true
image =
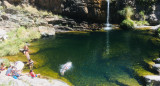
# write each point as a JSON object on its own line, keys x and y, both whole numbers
{"x": 65, "y": 67}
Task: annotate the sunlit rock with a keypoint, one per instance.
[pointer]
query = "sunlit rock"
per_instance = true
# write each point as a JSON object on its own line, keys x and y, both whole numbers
{"x": 152, "y": 80}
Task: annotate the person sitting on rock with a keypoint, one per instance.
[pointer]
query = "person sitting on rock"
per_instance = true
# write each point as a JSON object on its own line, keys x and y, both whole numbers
{"x": 33, "y": 74}
{"x": 3, "y": 67}
{"x": 31, "y": 64}
{"x": 15, "y": 73}
{"x": 9, "y": 71}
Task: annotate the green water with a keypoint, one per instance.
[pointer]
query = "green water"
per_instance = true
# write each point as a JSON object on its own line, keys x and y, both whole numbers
{"x": 92, "y": 64}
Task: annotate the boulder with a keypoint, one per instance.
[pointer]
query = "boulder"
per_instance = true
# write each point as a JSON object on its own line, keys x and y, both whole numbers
{"x": 153, "y": 19}
{"x": 46, "y": 31}
{"x": 156, "y": 67}
{"x": 152, "y": 80}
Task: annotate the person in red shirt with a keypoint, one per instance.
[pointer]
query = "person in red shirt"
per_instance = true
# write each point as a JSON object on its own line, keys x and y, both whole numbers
{"x": 33, "y": 74}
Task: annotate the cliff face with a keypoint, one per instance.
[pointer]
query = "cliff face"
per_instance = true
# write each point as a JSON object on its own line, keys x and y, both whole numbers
{"x": 94, "y": 10}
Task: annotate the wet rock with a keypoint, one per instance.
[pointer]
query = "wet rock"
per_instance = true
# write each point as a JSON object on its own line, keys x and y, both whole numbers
{"x": 156, "y": 67}
{"x": 63, "y": 28}
{"x": 157, "y": 60}
{"x": 152, "y": 80}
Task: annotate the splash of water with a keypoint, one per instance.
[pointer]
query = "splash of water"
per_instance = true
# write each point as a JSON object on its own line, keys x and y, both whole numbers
{"x": 65, "y": 67}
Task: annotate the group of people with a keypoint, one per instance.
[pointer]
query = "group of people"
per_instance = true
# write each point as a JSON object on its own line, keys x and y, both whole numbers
{"x": 26, "y": 53}
{"x": 30, "y": 62}
{"x": 12, "y": 70}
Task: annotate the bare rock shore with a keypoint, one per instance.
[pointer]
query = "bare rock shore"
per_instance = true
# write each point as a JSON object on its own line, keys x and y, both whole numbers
{"x": 26, "y": 80}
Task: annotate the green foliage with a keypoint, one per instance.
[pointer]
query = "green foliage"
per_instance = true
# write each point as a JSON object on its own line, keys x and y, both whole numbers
{"x": 127, "y": 12}
{"x": 159, "y": 32}
{"x": 127, "y": 24}
{"x": 16, "y": 40}
{"x": 140, "y": 23}
{"x": 143, "y": 15}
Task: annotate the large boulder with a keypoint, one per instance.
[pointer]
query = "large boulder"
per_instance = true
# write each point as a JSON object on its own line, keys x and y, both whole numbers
{"x": 152, "y": 80}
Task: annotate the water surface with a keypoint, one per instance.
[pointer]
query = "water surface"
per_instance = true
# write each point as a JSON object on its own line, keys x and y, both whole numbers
{"x": 92, "y": 64}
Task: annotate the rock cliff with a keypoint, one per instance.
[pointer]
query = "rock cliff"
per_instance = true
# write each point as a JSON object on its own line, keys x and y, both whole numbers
{"x": 94, "y": 10}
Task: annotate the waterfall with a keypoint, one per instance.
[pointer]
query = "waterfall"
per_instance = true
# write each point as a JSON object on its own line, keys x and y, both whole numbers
{"x": 108, "y": 13}
{"x": 107, "y": 28}
{"x": 107, "y": 24}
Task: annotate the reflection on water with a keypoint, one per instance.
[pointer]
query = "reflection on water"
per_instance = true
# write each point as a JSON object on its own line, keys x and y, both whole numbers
{"x": 96, "y": 61}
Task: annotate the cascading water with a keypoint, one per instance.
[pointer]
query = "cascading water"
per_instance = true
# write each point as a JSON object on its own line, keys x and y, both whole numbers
{"x": 108, "y": 27}
{"x": 107, "y": 13}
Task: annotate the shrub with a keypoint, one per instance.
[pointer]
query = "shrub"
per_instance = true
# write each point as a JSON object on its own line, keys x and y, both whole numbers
{"x": 158, "y": 30}
{"x": 140, "y": 23}
{"x": 142, "y": 15}
{"x": 16, "y": 40}
{"x": 127, "y": 12}
{"x": 127, "y": 24}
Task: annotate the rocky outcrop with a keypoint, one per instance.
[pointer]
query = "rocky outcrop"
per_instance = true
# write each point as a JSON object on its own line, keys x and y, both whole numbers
{"x": 94, "y": 10}
{"x": 152, "y": 80}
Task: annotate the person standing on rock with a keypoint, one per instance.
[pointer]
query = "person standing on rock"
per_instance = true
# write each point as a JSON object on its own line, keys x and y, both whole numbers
{"x": 26, "y": 52}
{"x": 26, "y": 49}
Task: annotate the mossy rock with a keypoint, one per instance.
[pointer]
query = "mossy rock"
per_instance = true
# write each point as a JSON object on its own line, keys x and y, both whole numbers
{"x": 127, "y": 24}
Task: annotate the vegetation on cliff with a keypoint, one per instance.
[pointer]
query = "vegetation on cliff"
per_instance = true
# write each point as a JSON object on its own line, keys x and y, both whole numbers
{"x": 128, "y": 23}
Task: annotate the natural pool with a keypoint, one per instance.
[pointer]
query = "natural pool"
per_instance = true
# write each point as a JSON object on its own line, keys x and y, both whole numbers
{"x": 114, "y": 58}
